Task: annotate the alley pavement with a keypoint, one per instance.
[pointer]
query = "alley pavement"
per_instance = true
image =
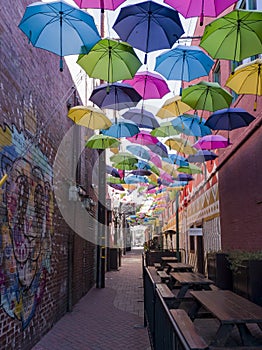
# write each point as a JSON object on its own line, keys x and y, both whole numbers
{"x": 108, "y": 318}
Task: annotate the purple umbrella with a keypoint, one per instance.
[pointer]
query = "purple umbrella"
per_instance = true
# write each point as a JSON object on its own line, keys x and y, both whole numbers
{"x": 202, "y": 156}
{"x": 212, "y": 142}
{"x": 115, "y": 96}
{"x": 99, "y": 4}
{"x": 229, "y": 119}
{"x": 141, "y": 172}
{"x": 112, "y": 171}
{"x": 143, "y": 118}
{"x": 195, "y": 8}
{"x": 116, "y": 186}
{"x": 148, "y": 26}
{"x": 149, "y": 85}
{"x": 184, "y": 177}
{"x": 143, "y": 138}
{"x": 159, "y": 149}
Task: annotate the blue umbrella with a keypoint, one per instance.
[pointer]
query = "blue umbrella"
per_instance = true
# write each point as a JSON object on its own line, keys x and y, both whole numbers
{"x": 138, "y": 151}
{"x": 133, "y": 179}
{"x": 184, "y": 63}
{"x": 229, "y": 119}
{"x": 148, "y": 26}
{"x": 115, "y": 96}
{"x": 122, "y": 128}
{"x": 190, "y": 124}
{"x": 141, "y": 164}
{"x": 177, "y": 159}
{"x": 202, "y": 156}
{"x": 59, "y": 28}
{"x": 112, "y": 171}
{"x": 143, "y": 118}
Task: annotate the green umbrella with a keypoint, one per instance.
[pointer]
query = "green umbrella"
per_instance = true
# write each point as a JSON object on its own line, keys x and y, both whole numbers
{"x": 206, "y": 96}
{"x": 165, "y": 129}
{"x": 126, "y": 164}
{"x": 102, "y": 142}
{"x": 114, "y": 180}
{"x": 234, "y": 36}
{"x": 110, "y": 60}
{"x": 123, "y": 156}
{"x": 190, "y": 169}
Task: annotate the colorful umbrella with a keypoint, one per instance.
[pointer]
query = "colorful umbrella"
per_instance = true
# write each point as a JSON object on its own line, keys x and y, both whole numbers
{"x": 191, "y": 125}
{"x": 138, "y": 151}
{"x": 178, "y": 159}
{"x": 117, "y": 187}
{"x": 127, "y": 164}
{"x": 154, "y": 158}
{"x": 165, "y": 130}
{"x": 190, "y": 169}
{"x": 200, "y": 8}
{"x": 134, "y": 179}
{"x": 173, "y": 107}
{"x": 229, "y": 119}
{"x": 112, "y": 171}
{"x": 142, "y": 23}
{"x": 212, "y": 142}
{"x": 143, "y": 118}
{"x": 184, "y": 63}
{"x": 59, "y": 28}
{"x": 247, "y": 79}
{"x": 90, "y": 117}
{"x": 184, "y": 177}
{"x": 99, "y": 4}
{"x": 149, "y": 85}
{"x": 234, "y": 36}
{"x": 115, "y": 96}
{"x": 114, "y": 180}
{"x": 206, "y": 96}
{"x": 143, "y": 138}
{"x": 141, "y": 172}
{"x": 159, "y": 149}
{"x": 122, "y": 156}
{"x": 102, "y": 142}
{"x": 122, "y": 128}
{"x": 180, "y": 145}
{"x": 202, "y": 156}
{"x": 110, "y": 60}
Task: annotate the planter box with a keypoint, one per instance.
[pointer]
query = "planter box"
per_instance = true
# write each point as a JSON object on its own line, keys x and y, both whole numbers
{"x": 247, "y": 282}
{"x": 218, "y": 269}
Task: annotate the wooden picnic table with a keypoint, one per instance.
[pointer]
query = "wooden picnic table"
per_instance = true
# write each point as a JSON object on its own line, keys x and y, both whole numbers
{"x": 190, "y": 280}
{"x": 167, "y": 259}
{"x": 179, "y": 267}
{"x": 231, "y": 310}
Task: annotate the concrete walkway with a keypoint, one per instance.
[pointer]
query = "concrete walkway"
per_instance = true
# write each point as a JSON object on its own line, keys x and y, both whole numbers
{"x": 105, "y": 319}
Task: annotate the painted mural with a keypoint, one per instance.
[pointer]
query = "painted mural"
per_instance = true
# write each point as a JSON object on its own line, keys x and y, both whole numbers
{"x": 26, "y": 208}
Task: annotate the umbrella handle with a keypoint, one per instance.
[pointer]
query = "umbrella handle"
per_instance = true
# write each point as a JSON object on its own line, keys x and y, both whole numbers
{"x": 61, "y": 65}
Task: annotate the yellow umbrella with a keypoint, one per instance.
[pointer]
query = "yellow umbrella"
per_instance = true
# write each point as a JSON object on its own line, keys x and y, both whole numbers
{"x": 180, "y": 145}
{"x": 173, "y": 107}
{"x": 90, "y": 117}
{"x": 169, "y": 168}
{"x": 247, "y": 79}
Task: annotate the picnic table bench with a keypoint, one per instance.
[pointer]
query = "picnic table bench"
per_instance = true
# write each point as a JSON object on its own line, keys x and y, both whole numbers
{"x": 153, "y": 273}
{"x": 167, "y": 295}
{"x": 163, "y": 275}
{"x": 179, "y": 267}
{"x": 231, "y": 310}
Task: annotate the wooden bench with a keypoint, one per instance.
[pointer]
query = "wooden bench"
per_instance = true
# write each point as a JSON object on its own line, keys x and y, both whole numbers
{"x": 187, "y": 329}
{"x": 163, "y": 275}
{"x": 158, "y": 266}
{"x": 167, "y": 295}
{"x": 153, "y": 273}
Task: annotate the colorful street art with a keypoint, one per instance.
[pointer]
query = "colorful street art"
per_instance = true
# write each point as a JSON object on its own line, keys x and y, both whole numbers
{"x": 26, "y": 208}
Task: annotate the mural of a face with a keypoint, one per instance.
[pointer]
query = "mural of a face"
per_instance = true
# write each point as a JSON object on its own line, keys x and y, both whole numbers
{"x": 26, "y": 238}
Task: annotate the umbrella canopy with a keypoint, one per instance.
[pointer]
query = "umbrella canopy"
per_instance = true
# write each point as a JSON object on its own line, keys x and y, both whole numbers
{"x": 134, "y": 179}
{"x": 138, "y": 151}
{"x": 143, "y": 118}
{"x": 90, "y": 117}
{"x": 234, "y": 36}
{"x": 141, "y": 172}
{"x": 159, "y": 149}
{"x": 143, "y": 138}
{"x": 112, "y": 171}
{"x": 122, "y": 128}
{"x": 59, "y": 28}
{"x": 99, "y": 4}
{"x": 202, "y": 156}
{"x": 149, "y": 85}
{"x": 184, "y": 63}
{"x": 115, "y": 96}
{"x": 190, "y": 169}
{"x": 110, "y": 60}
{"x": 127, "y": 164}
{"x": 229, "y": 119}
{"x": 114, "y": 180}
{"x": 102, "y": 142}
{"x": 178, "y": 159}
{"x": 123, "y": 156}
{"x": 206, "y": 96}
{"x": 184, "y": 177}
{"x": 212, "y": 142}
{"x": 180, "y": 145}
{"x": 247, "y": 79}
{"x": 191, "y": 125}
{"x": 200, "y": 8}
{"x": 142, "y": 23}
{"x": 173, "y": 107}
{"x": 164, "y": 130}
{"x": 117, "y": 187}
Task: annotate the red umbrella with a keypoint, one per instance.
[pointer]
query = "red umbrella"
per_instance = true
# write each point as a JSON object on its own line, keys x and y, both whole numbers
{"x": 149, "y": 85}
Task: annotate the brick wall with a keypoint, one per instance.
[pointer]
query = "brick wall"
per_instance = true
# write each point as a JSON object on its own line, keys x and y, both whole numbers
{"x": 34, "y": 238}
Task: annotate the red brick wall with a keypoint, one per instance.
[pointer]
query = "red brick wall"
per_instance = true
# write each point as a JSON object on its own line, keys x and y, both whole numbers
{"x": 33, "y": 235}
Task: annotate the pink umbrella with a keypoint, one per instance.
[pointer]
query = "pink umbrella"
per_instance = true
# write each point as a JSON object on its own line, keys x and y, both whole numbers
{"x": 143, "y": 138}
{"x": 212, "y": 142}
{"x": 155, "y": 159}
{"x": 148, "y": 85}
{"x": 195, "y": 8}
{"x": 165, "y": 176}
{"x": 99, "y": 4}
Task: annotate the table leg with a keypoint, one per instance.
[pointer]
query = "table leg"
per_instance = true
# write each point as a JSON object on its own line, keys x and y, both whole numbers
{"x": 182, "y": 291}
{"x": 222, "y": 334}
{"x": 194, "y": 310}
{"x": 245, "y": 334}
